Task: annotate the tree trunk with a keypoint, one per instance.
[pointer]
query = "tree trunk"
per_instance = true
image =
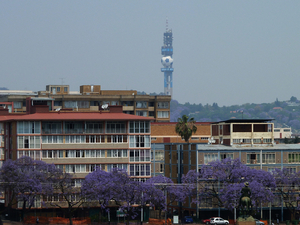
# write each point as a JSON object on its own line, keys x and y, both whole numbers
{"x": 70, "y": 217}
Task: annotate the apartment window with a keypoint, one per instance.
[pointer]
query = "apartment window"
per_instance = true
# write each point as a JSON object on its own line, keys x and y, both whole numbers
{"x": 127, "y": 103}
{"x": 119, "y": 166}
{"x": 294, "y": 157}
{"x": 267, "y": 140}
{"x": 115, "y": 127}
{"x": 94, "y": 128}
{"x": 75, "y": 139}
{"x": 72, "y": 168}
{"x": 53, "y": 90}
{"x": 83, "y": 104}
{"x": 117, "y": 153}
{"x": 65, "y": 89}
{"x": 94, "y": 153}
{"x": 204, "y": 138}
{"x": 52, "y": 139}
{"x": 276, "y": 130}
{"x": 28, "y": 127}
{"x": 163, "y": 114}
{"x": 161, "y": 168}
{"x": 29, "y": 142}
{"x": 163, "y": 105}
{"x": 141, "y": 105}
{"x": 93, "y": 167}
{"x": 151, "y": 113}
{"x": 141, "y": 113}
{"x": 73, "y": 127}
{"x": 291, "y": 170}
{"x": 70, "y": 104}
{"x": 51, "y": 128}
{"x": 151, "y": 104}
{"x": 139, "y": 155}
{"x": 194, "y": 138}
{"x": 254, "y": 158}
{"x": 139, "y": 127}
{"x": 94, "y": 139}
{"x": 226, "y": 155}
{"x": 59, "y": 166}
{"x": 114, "y": 103}
{"x": 117, "y": 139}
{"x": 270, "y": 129}
{"x": 286, "y": 130}
{"x": 243, "y": 141}
{"x": 70, "y": 153}
{"x": 137, "y": 141}
{"x": 58, "y": 89}
{"x": 210, "y": 157}
{"x": 159, "y": 155}
{"x": 18, "y": 105}
{"x": 57, "y": 103}
{"x": 94, "y": 103}
{"x": 139, "y": 170}
{"x": 32, "y": 154}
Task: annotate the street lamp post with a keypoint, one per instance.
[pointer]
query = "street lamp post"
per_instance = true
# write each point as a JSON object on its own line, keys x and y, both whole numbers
{"x": 142, "y": 211}
{"x": 235, "y": 209}
{"x": 270, "y": 216}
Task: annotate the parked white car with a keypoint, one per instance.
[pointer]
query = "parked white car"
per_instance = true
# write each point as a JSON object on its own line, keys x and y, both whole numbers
{"x": 258, "y": 222}
{"x": 218, "y": 220}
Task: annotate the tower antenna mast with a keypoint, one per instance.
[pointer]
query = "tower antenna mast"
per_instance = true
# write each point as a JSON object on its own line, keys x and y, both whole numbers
{"x": 167, "y": 24}
{"x": 167, "y": 60}
{"x": 62, "y": 80}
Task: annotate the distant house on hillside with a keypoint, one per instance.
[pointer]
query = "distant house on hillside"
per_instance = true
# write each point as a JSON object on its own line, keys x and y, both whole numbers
{"x": 279, "y": 108}
{"x": 293, "y": 103}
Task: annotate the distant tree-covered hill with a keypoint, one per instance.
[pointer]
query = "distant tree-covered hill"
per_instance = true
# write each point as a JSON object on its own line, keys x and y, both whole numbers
{"x": 284, "y": 113}
{"x": 3, "y": 88}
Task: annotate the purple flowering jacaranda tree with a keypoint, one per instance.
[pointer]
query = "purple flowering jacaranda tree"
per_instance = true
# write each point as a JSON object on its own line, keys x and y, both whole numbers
{"x": 25, "y": 179}
{"x": 114, "y": 188}
{"x": 164, "y": 192}
{"x": 67, "y": 193}
{"x": 223, "y": 180}
{"x": 287, "y": 183}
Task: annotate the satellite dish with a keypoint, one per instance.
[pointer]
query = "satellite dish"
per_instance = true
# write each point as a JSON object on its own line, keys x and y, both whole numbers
{"x": 211, "y": 140}
{"x": 58, "y": 109}
{"x": 105, "y": 106}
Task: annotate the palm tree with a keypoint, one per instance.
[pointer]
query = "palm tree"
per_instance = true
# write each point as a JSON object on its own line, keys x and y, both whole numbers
{"x": 186, "y": 127}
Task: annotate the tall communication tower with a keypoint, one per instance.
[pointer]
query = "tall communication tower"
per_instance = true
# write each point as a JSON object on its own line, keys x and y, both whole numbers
{"x": 167, "y": 61}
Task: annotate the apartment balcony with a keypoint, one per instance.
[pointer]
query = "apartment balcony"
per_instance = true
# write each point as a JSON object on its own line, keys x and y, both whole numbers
{"x": 74, "y": 131}
{"x": 83, "y": 160}
{"x": 128, "y": 108}
{"x": 81, "y": 146}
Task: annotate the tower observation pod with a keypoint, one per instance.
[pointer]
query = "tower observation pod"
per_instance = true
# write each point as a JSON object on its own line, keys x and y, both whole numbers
{"x": 167, "y": 61}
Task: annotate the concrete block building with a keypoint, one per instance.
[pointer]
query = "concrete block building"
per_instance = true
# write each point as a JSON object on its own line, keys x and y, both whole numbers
{"x": 78, "y": 142}
{"x": 90, "y": 98}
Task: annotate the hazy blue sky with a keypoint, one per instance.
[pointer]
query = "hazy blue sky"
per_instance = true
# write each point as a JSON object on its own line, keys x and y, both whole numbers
{"x": 228, "y": 52}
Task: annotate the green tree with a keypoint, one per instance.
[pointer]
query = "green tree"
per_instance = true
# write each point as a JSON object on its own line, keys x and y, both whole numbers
{"x": 186, "y": 127}
{"x": 293, "y": 99}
